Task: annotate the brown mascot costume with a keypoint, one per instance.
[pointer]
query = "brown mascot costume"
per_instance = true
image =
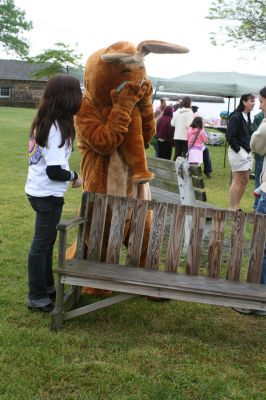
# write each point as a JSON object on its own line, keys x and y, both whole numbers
{"x": 115, "y": 122}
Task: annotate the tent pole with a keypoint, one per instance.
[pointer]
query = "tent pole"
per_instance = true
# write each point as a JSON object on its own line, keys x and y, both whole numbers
{"x": 154, "y": 95}
{"x": 227, "y": 120}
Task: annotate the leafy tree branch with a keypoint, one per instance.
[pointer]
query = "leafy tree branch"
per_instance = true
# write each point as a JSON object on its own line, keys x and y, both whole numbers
{"x": 242, "y": 23}
{"x": 12, "y": 25}
{"x": 58, "y": 60}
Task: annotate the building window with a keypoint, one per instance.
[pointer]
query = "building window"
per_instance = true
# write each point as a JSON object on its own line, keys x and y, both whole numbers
{"x": 5, "y": 91}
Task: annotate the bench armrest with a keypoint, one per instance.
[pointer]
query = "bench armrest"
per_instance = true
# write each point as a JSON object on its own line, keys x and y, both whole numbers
{"x": 70, "y": 223}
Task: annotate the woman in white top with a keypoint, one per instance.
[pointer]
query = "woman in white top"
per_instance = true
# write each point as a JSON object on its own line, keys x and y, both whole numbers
{"x": 181, "y": 120}
{"x": 50, "y": 146}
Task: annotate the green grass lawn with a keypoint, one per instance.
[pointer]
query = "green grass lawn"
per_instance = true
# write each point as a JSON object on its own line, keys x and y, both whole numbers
{"x": 137, "y": 350}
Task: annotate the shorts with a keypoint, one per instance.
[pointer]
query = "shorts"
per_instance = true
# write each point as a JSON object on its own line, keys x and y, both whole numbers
{"x": 241, "y": 161}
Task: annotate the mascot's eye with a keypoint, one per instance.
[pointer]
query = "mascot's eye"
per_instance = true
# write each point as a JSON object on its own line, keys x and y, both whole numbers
{"x": 124, "y": 71}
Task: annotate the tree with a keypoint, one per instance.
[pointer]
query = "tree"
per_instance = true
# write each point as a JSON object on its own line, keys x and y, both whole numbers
{"x": 12, "y": 25}
{"x": 58, "y": 60}
{"x": 245, "y": 23}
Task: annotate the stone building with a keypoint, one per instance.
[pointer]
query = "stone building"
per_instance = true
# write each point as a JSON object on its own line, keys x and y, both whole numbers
{"x": 19, "y": 87}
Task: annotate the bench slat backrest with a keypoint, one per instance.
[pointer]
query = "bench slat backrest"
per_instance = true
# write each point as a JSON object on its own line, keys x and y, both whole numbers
{"x": 237, "y": 242}
{"x": 216, "y": 244}
{"x": 195, "y": 241}
{"x": 83, "y": 212}
{"x": 166, "y": 177}
{"x": 136, "y": 232}
{"x": 117, "y": 230}
{"x": 128, "y": 217}
{"x": 198, "y": 182}
{"x": 176, "y": 239}
{"x": 156, "y": 236}
{"x": 257, "y": 249}
{"x": 97, "y": 225}
{"x": 165, "y": 174}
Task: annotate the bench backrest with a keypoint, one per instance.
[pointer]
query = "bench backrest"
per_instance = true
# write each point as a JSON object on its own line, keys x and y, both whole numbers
{"x": 166, "y": 238}
{"x": 166, "y": 177}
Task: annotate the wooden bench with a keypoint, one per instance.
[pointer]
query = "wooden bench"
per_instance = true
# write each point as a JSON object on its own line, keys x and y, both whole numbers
{"x": 207, "y": 276}
{"x": 188, "y": 189}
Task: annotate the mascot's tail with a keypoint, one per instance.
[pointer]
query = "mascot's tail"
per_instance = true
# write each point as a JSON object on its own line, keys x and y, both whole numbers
{"x": 71, "y": 251}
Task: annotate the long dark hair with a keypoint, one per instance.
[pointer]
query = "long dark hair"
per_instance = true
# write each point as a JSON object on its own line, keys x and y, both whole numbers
{"x": 197, "y": 123}
{"x": 263, "y": 92}
{"x": 61, "y": 100}
{"x": 244, "y": 97}
{"x": 185, "y": 102}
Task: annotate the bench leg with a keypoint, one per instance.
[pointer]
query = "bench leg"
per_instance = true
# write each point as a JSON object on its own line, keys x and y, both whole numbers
{"x": 57, "y": 320}
{"x": 71, "y": 297}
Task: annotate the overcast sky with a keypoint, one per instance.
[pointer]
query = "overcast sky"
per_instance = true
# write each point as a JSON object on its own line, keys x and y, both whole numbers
{"x": 91, "y": 25}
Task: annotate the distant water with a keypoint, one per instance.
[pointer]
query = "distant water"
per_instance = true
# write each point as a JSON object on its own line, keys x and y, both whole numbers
{"x": 211, "y": 111}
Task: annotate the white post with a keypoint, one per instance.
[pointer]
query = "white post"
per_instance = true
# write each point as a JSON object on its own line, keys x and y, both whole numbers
{"x": 184, "y": 182}
{"x": 186, "y": 191}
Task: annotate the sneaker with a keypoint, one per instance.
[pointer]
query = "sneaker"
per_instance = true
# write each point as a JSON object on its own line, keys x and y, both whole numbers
{"x": 260, "y": 312}
{"x": 242, "y": 310}
{"x": 47, "y": 309}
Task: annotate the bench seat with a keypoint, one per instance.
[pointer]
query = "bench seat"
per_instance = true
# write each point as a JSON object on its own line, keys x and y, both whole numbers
{"x": 168, "y": 285}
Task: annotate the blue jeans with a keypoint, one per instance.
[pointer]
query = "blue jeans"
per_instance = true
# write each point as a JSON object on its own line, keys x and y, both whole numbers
{"x": 258, "y": 170}
{"x": 40, "y": 259}
{"x": 261, "y": 208}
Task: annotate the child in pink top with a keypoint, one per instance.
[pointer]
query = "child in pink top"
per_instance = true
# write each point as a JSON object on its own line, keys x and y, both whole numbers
{"x": 196, "y": 139}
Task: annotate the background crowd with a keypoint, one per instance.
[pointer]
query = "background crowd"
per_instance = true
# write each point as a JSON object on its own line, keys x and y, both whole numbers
{"x": 180, "y": 127}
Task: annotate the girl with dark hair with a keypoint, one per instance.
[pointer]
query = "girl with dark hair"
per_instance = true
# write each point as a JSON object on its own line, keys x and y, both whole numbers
{"x": 50, "y": 146}
{"x": 240, "y": 158}
{"x": 196, "y": 139}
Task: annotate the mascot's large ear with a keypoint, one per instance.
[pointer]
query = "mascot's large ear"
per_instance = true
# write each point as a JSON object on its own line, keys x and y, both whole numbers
{"x": 155, "y": 46}
{"x": 144, "y": 48}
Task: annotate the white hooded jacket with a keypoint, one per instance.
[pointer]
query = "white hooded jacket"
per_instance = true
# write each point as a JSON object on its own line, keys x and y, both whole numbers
{"x": 181, "y": 120}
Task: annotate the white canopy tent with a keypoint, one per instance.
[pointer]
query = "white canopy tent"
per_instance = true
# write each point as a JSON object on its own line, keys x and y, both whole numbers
{"x": 222, "y": 84}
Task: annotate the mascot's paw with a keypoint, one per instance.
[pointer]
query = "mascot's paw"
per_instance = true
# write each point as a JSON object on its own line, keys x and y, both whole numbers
{"x": 143, "y": 177}
{"x": 96, "y": 292}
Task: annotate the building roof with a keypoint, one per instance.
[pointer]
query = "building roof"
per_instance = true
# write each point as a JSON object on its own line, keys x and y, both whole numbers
{"x": 24, "y": 71}
{"x": 19, "y": 70}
